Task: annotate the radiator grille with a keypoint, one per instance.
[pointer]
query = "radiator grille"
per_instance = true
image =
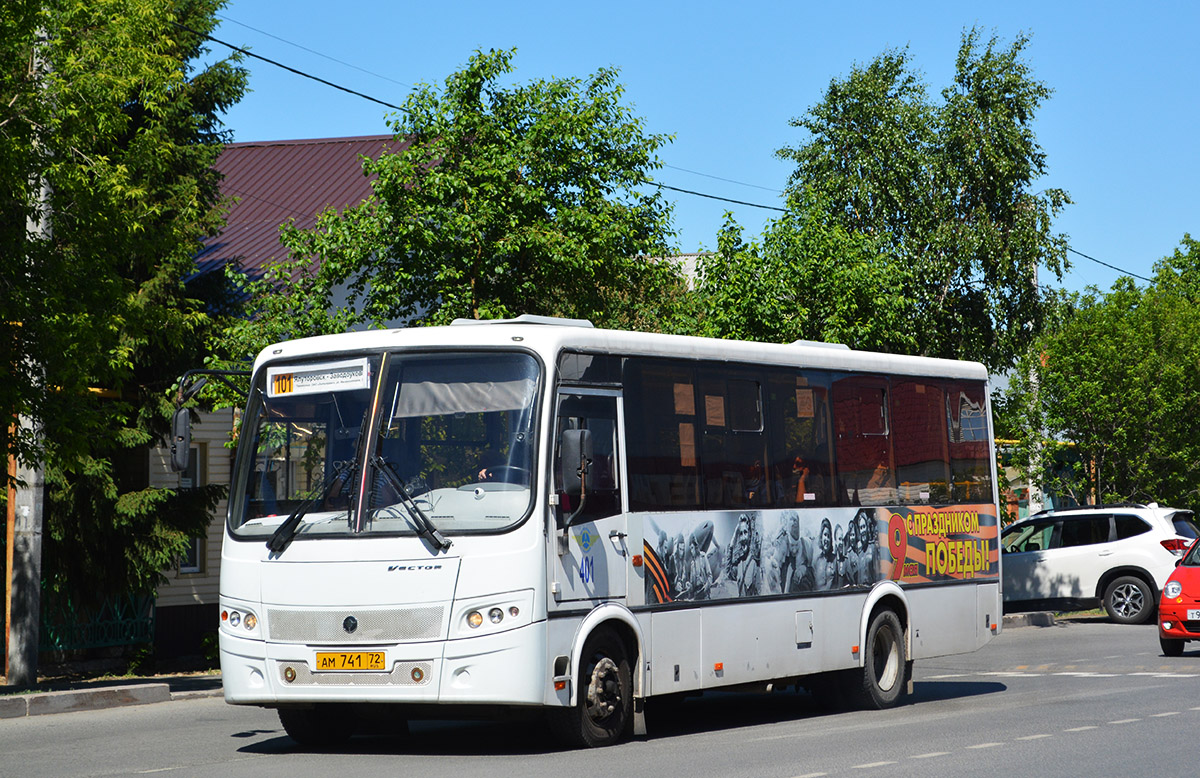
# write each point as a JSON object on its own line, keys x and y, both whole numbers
{"x": 394, "y": 625}
{"x": 401, "y": 675}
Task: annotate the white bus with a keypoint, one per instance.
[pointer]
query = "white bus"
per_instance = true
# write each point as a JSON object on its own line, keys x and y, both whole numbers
{"x": 539, "y": 516}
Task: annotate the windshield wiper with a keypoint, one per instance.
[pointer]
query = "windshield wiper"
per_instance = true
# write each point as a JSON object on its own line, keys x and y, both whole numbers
{"x": 342, "y": 472}
{"x": 425, "y": 528}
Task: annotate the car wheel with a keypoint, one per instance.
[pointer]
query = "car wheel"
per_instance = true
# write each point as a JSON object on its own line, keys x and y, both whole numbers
{"x": 1171, "y": 646}
{"x": 1128, "y": 600}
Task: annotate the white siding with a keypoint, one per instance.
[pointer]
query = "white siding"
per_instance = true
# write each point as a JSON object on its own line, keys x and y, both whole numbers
{"x": 211, "y": 433}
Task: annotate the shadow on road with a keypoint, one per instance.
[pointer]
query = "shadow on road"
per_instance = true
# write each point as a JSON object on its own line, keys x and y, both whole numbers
{"x": 713, "y": 712}
{"x": 937, "y": 691}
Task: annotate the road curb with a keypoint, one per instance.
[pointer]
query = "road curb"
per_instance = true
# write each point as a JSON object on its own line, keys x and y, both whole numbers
{"x": 95, "y": 699}
{"x": 72, "y": 700}
{"x": 1036, "y": 619}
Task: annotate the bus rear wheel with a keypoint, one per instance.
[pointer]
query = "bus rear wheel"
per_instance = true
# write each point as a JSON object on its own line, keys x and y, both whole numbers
{"x": 603, "y": 709}
{"x": 885, "y": 664}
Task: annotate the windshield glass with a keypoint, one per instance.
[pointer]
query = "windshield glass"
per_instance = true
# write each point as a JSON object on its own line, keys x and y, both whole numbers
{"x": 1192, "y": 558}
{"x": 451, "y": 450}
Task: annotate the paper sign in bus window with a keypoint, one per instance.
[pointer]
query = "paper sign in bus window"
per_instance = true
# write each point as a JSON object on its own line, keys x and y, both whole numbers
{"x": 714, "y": 410}
{"x": 804, "y": 404}
{"x": 687, "y": 445}
{"x": 685, "y": 400}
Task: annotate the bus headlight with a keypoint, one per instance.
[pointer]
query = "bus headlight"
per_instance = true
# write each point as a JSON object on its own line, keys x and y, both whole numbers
{"x": 239, "y": 621}
{"x": 491, "y": 614}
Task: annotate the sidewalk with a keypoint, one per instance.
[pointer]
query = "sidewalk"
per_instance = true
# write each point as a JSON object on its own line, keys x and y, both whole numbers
{"x": 66, "y": 696}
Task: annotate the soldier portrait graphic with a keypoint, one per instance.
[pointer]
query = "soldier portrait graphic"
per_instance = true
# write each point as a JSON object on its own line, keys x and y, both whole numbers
{"x": 738, "y": 554}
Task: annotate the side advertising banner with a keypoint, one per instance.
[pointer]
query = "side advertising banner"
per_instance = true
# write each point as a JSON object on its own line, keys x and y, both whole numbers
{"x": 737, "y": 554}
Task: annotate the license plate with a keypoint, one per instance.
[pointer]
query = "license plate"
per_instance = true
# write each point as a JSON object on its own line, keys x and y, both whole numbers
{"x": 1193, "y": 615}
{"x": 351, "y": 660}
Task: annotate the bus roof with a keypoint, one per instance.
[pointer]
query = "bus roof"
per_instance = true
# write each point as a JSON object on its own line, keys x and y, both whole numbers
{"x": 548, "y": 336}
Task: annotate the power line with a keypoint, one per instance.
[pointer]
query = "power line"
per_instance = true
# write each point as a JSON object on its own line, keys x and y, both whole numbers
{"x": 319, "y": 80}
{"x": 1110, "y": 265}
{"x": 314, "y": 51}
{"x": 694, "y": 193}
{"x": 726, "y": 180}
{"x": 722, "y": 199}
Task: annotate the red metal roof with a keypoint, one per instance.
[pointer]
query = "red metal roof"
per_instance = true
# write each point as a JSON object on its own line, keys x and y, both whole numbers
{"x": 270, "y": 182}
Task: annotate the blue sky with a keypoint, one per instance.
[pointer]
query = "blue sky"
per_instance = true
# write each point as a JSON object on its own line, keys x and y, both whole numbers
{"x": 1120, "y": 131}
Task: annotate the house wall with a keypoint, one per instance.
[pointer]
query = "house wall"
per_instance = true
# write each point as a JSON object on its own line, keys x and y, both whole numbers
{"x": 187, "y": 602}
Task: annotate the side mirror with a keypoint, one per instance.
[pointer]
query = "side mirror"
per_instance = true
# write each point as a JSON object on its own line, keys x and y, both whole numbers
{"x": 575, "y": 456}
{"x": 181, "y": 439}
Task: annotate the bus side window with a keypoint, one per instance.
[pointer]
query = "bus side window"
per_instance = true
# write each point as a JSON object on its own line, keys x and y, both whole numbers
{"x": 864, "y": 452}
{"x": 920, "y": 441}
{"x": 967, "y": 425}
{"x": 599, "y": 416}
{"x": 800, "y": 440}
{"x": 734, "y": 447}
{"x": 663, "y": 429}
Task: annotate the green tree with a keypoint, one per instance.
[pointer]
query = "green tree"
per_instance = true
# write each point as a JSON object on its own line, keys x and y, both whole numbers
{"x": 1120, "y": 381}
{"x": 944, "y": 192}
{"x": 493, "y": 201}
{"x": 108, "y": 132}
{"x": 809, "y": 279}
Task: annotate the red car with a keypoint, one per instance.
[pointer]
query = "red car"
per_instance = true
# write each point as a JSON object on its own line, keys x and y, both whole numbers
{"x": 1179, "y": 605}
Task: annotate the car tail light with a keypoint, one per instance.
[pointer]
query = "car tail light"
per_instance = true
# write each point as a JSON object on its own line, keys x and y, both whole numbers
{"x": 1176, "y": 545}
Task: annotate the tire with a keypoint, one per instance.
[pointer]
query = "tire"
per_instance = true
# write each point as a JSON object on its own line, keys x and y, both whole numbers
{"x": 321, "y": 726}
{"x": 1129, "y": 600}
{"x": 1171, "y": 646}
{"x": 884, "y": 674}
{"x": 603, "y": 710}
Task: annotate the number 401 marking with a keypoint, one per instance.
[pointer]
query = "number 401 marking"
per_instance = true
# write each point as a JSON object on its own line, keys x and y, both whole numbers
{"x": 586, "y": 569}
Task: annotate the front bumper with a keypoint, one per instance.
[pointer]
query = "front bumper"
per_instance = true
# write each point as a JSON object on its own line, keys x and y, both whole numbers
{"x": 1175, "y": 614}
{"x": 504, "y": 668}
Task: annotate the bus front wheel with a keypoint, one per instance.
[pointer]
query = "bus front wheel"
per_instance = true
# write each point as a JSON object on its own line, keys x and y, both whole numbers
{"x": 885, "y": 665}
{"x": 603, "y": 709}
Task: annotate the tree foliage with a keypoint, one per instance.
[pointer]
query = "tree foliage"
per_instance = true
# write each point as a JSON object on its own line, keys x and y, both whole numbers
{"x": 808, "y": 279}
{"x": 1120, "y": 381}
{"x": 108, "y": 132}
{"x": 493, "y": 201}
{"x": 943, "y": 191}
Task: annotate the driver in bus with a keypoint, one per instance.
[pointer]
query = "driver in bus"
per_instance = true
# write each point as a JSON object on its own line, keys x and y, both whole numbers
{"x": 489, "y": 461}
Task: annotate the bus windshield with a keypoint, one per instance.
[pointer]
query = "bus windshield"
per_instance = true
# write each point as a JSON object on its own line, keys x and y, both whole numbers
{"x": 426, "y": 444}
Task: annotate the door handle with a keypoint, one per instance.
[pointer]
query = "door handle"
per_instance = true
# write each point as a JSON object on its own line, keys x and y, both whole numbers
{"x": 618, "y": 540}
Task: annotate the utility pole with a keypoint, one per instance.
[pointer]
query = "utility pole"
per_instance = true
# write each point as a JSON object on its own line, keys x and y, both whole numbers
{"x": 1036, "y": 496}
{"x": 27, "y": 490}
{"x": 26, "y": 500}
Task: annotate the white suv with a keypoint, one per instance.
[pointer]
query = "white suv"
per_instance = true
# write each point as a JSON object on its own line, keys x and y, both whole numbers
{"x": 1118, "y": 555}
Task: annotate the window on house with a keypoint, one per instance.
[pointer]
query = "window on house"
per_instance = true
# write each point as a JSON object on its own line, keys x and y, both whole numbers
{"x": 192, "y": 559}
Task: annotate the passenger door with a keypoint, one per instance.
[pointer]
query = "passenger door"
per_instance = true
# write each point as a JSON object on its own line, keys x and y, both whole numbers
{"x": 591, "y": 556}
{"x": 1080, "y": 556}
{"x": 1025, "y": 548}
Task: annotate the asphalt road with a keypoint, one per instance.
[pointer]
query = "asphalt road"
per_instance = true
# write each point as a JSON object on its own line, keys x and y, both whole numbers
{"x": 1078, "y": 698}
